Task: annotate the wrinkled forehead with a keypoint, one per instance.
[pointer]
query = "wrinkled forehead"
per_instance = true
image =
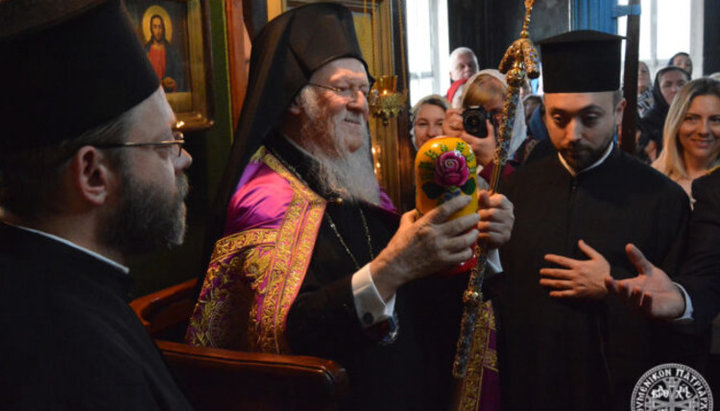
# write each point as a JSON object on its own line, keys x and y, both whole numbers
{"x": 348, "y": 68}
{"x": 465, "y": 57}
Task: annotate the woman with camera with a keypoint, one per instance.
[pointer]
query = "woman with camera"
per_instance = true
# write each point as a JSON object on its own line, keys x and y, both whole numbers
{"x": 478, "y": 119}
{"x": 477, "y": 122}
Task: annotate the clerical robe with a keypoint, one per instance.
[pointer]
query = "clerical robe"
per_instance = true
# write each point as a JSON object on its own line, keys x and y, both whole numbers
{"x": 282, "y": 273}
{"x": 572, "y": 354}
{"x": 701, "y": 265}
{"x": 70, "y": 341}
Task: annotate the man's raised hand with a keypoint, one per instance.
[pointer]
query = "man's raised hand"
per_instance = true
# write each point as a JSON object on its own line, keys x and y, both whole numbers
{"x": 651, "y": 291}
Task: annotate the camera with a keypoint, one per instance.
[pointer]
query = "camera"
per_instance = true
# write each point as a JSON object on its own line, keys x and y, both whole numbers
{"x": 474, "y": 121}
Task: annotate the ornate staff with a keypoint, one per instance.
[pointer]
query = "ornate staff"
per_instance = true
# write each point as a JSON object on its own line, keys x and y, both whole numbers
{"x": 520, "y": 60}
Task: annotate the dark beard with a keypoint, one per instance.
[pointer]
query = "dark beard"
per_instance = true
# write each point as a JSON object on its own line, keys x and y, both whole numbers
{"x": 586, "y": 155}
{"x": 146, "y": 218}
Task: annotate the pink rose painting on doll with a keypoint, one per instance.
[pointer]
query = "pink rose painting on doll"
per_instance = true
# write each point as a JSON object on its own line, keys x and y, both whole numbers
{"x": 445, "y": 167}
{"x": 451, "y": 169}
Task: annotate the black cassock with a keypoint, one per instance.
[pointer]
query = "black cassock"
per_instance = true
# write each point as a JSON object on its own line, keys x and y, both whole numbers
{"x": 701, "y": 266}
{"x": 566, "y": 354}
{"x": 69, "y": 339}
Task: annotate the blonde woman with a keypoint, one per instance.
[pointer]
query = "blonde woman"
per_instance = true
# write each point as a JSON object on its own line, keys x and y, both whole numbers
{"x": 691, "y": 136}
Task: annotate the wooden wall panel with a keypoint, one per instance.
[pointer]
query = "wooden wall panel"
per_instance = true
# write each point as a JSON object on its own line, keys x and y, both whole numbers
{"x": 239, "y": 48}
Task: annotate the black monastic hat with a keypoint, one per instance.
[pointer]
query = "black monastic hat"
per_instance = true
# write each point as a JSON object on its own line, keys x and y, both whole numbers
{"x": 67, "y": 66}
{"x": 581, "y": 62}
{"x": 285, "y": 54}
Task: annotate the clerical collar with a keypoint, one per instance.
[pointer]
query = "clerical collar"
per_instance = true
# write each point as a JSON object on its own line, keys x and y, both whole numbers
{"x": 593, "y": 165}
{"x": 297, "y": 146}
{"x": 121, "y": 267}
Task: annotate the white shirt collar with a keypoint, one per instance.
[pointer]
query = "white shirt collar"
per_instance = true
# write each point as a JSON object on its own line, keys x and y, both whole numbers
{"x": 121, "y": 267}
{"x": 593, "y": 165}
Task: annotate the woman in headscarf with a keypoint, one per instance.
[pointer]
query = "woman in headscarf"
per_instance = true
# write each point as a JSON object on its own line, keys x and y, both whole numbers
{"x": 668, "y": 81}
{"x": 645, "y": 93}
{"x": 427, "y": 117}
{"x": 682, "y": 60}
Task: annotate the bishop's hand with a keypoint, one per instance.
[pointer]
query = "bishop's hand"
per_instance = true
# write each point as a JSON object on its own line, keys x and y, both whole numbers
{"x": 496, "y": 218}
{"x": 651, "y": 291}
{"x": 425, "y": 245}
{"x": 578, "y": 278}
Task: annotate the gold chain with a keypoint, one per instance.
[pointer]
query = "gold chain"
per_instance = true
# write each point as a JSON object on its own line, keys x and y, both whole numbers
{"x": 344, "y": 244}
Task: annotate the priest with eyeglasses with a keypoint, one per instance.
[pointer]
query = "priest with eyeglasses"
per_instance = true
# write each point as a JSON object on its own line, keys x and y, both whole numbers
{"x": 91, "y": 172}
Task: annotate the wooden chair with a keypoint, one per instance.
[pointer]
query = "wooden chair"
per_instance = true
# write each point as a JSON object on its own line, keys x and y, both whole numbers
{"x": 217, "y": 379}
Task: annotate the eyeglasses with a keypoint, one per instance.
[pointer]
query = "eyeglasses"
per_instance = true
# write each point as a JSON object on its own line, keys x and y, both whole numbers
{"x": 168, "y": 143}
{"x": 349, "y": 93}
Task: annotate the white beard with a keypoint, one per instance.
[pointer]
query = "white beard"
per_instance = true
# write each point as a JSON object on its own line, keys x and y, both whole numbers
{"x": 347, "y": 174}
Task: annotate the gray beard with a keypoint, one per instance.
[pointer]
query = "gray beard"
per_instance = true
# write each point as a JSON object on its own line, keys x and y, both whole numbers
{"x": 349, "y": 175}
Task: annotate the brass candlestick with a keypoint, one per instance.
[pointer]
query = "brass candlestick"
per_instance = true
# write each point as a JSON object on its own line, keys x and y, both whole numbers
{"x": 384, "y": 100}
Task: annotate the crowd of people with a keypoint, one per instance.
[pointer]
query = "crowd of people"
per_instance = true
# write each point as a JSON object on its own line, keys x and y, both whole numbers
{"x": 602, "y": 266}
